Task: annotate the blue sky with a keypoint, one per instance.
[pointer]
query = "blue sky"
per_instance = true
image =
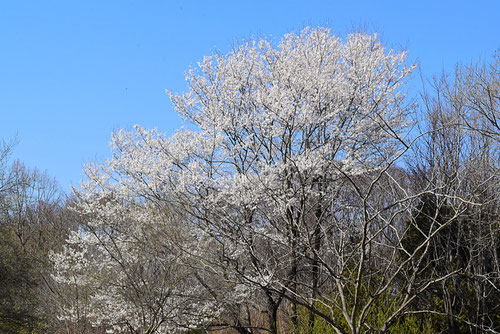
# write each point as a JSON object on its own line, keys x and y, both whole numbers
{"x": 71, "y": 72}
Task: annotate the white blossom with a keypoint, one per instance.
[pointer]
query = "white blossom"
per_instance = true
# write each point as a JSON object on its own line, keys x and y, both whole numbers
{"x": 275, "y": 128}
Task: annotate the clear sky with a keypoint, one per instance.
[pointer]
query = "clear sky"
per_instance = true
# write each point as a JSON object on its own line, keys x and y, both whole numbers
{"x": 71, "y": 72}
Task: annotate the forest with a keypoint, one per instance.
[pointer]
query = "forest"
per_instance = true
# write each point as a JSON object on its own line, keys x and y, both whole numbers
{"x": 311, "y": 193}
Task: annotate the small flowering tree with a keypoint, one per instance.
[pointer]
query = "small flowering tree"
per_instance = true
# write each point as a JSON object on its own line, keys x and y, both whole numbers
{"x": 121, "y": 271}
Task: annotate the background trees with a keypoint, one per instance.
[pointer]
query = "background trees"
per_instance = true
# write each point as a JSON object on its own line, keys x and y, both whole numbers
{"x": 461, "y": 156}
{"x": 31, "y": 224}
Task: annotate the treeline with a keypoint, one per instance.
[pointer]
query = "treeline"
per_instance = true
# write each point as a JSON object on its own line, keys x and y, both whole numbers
{"x": 34, "y": 221}
{"x": 312, "y": 196}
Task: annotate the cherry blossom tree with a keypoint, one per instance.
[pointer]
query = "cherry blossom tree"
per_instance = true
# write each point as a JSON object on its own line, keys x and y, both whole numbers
{"x": 287, "y": 194}
{"x": 121, "y": 271}
{"x": 291, "y": 143}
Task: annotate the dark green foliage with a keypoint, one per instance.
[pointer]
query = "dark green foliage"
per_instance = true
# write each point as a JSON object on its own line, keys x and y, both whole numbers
{"x": 411, "y": 324}
{"x": 32, "y": 223}
{"x": 454, "y": 248}
{"x": 19, "y": 302}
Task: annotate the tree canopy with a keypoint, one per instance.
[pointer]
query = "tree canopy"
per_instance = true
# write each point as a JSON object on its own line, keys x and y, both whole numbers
{"x": 305, "y": 196}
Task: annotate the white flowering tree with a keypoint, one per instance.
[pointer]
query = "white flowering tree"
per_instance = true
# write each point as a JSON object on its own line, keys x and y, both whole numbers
{"x": 286, "y": 196}
{"x": 291, "y": 144}
{"x": 121, "y": 271}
